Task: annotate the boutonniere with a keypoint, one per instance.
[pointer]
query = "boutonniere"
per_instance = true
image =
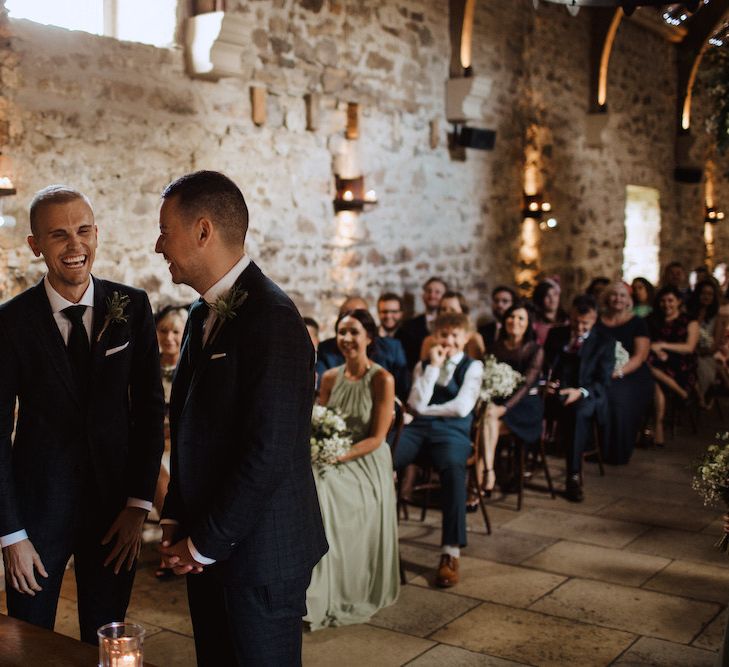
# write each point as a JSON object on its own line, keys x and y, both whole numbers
{"x": 116, "y": 306}
{"x": 224, "y": 308}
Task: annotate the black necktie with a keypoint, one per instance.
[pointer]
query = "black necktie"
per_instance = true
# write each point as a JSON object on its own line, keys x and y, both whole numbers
{"x": 78, "y": 345}
{"x": 198, "y": 315}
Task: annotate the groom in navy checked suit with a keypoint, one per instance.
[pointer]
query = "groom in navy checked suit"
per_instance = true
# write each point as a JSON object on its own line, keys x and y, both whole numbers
{"x": 79, "y": 475}
{"x": 241, "y": 517}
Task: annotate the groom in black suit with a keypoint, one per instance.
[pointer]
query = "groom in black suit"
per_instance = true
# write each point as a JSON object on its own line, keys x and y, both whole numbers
{"x": 80, "y": 356}
{"x": 241, "y": 516}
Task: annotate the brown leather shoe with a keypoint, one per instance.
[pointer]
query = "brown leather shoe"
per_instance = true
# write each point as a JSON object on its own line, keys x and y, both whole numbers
{"x": 447, "y": 572}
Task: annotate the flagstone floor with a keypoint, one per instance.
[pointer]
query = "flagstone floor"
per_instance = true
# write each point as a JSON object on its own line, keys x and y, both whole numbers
{"x": 629, "y": 577}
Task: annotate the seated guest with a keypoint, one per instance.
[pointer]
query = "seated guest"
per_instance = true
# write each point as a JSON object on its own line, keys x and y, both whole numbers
{"x": 643, "y": 296}
{"x": 387, "y": 352}
{"x": 170, "y": 324}
{"x": 596, "y": 288}
{"x": 674, "y": 275}
{"x": 389, "y": 310}
{"x": 703, "y": 306}
{"x": 521, "y": 413}
{"x": 546, "y": 297}
{"x": 502, "y": 298}
{"x": 455, "y": 302}
{"x": 672, "y": 360}
{"x": 412, "y": 332}
{"x": 312, "y": 326}
{"x": 445, "y": 391}
{"x": 579, "y": 361}
{"x": 360, "y": 573}
{"x": 631, "y": 390}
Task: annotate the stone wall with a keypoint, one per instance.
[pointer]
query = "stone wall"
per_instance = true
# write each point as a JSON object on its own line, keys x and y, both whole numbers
{"x": 120, "y": 119}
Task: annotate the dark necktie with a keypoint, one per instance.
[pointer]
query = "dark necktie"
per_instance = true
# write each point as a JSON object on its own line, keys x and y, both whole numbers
{"x": 198, "y": 315}
{"x": 78, "y": 346}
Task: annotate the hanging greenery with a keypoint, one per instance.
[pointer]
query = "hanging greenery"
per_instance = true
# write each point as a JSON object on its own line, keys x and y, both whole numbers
{"x": 714, "y": 80}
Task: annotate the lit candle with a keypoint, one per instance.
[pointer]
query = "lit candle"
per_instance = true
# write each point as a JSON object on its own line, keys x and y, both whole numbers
{"x": 371, "y": 195}
{"x": 348, "y": 196}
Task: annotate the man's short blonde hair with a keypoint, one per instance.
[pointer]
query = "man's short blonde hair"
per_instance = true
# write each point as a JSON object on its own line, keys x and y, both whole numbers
{"x": 452, "y": 321}
{"x": 53, "y": 194}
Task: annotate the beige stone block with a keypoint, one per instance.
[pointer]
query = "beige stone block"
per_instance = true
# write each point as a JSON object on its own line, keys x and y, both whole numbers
{"x": 170, "y": 649}
{"x": 534, "y": 638}
{"x": 161, "y": 603}
{"x": 538, "y": 500}
{"x": 579, "y": 528}
{"x": 360, "y": 646}
{"x": 681, "y": 517}
{"x": 496, "y": 582}
{"x": 420, "y": 611}
{"x": 630, "y": 609}
{"x": 693, "y": 580}
{"x": 650, "y": 652}
{"x": 442, "y": 654}
{"x": 713, "y": 635}
{"x": 679, "y": 545}
{"x": 591, "y": 562}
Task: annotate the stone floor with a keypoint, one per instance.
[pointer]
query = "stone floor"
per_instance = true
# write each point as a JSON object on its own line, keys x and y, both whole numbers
{"x": 629, "y": 577}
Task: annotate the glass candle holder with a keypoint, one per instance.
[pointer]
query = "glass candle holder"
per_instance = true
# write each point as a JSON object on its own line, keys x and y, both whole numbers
{"x": 120, "y": 645}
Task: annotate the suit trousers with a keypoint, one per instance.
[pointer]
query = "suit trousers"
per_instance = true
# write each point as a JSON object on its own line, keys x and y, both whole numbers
{"x": 575, "y": 423}
{"x": 448, "y": 448}
{"x": 103, "y": 596}
{"x": 234, "y": 624}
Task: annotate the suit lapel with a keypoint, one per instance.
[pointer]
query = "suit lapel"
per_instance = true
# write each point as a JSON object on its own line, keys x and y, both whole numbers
{"x": 51, "y": 340}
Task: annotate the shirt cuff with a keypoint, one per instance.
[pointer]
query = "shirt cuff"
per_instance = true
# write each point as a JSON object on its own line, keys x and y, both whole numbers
{"x": 197, "y": 555}
{"x": 585, "y": 393}
{"x": 141, "y": 504}
{"x": 13, "y": 538}
{"x": 432, "y": 372}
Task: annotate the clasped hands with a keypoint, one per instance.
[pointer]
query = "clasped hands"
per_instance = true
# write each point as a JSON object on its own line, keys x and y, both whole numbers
{"x": 571, "y": 394}
{"x": 176, "y": 554}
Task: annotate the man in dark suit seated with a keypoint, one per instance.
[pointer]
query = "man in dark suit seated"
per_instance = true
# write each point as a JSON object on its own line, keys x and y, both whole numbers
{"x": 579, "y": 362}
{"x": 502, "y": 298}
{"x": 77, "y": 475}
{"x": 414, "y": 331}
{"x": 387, "y": 352}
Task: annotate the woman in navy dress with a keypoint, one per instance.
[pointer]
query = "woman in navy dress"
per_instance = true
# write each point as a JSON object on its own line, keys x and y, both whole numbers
{"x": 631, "y": 390}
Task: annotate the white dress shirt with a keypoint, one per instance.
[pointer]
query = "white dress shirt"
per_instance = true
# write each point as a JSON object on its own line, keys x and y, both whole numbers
{"x": 58, "y": 303}
{"x": 211, "y": 295}
{"x": 426, "y": 378}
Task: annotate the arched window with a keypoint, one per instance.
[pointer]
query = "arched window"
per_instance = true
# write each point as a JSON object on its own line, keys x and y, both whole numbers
{"x": 131, "y": 20}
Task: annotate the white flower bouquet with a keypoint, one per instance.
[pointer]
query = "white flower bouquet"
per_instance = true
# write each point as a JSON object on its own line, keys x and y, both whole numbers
{"x": 499, "y": 379}
{"x": 711, "y": 478}
{"x": 329, "y": 438}
{"x": 621, "y": 356}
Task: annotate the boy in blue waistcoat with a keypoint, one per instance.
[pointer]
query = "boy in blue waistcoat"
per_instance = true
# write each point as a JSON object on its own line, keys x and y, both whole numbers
{"x": 444, "y": 392}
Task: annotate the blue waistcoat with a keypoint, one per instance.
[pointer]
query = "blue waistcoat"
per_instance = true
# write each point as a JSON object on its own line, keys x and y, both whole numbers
{"x": 443, "y": 394}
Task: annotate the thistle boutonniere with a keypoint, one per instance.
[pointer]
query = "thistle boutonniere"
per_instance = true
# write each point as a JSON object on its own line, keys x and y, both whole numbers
{"x": 116, "y": 306}
{"x": 224, "y": 308}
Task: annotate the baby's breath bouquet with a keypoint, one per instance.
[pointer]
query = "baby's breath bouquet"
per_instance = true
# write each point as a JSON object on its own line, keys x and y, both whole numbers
{"x": 621, "y": 356}
{"x": 329, "y": 438}
{"x": 499, "y": 379}
{"x": 711, "y": 478}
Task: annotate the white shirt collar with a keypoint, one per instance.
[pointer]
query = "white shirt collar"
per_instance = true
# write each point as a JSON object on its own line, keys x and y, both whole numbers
{"x": 227, "y": 281}
{"x": 455, "y": 359}
{"x": 58, "y": 302}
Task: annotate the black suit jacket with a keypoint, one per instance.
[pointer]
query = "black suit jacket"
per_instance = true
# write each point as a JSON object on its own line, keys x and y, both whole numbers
{"x": 241, "y": 483}
{"x": 596, "y": 356}
{"x": 111, "y": 440}
{"x": 388, "y": 352}
{"x": 412, "y": 334}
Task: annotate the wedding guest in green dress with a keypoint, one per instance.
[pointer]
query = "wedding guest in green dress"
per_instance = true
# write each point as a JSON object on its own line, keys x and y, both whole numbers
{"x": 360, "y": 573}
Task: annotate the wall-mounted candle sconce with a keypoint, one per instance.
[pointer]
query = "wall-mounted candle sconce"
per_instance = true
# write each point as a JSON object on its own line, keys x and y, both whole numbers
{"x": 351, "y": 195}
{"x": 536, "y": 208}
{"x": 713, "y": 216}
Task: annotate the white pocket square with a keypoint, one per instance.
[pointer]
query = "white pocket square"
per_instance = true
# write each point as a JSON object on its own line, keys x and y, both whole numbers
{"x": 114, "y": 350}
{"x": 220, "y": 355}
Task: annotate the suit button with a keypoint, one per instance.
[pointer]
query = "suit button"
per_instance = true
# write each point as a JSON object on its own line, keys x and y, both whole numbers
{"x": 232, "y": 544}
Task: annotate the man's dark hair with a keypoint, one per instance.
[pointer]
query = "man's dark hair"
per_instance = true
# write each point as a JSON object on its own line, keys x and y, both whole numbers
{"x": 435, "y": 279}
{"x": 584, "y": 303}
{"x": 596, "y": 283}
{"x": 364, "y": 318}
{"x": 212, "y": 194}
{"x": 504, "y": 288}
{"x": 390, "y": 296}
{"x": 311, "y": 322}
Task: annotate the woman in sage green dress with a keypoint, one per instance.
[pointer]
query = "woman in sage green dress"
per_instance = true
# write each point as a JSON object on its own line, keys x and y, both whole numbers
{"x": 360, "y": 573}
